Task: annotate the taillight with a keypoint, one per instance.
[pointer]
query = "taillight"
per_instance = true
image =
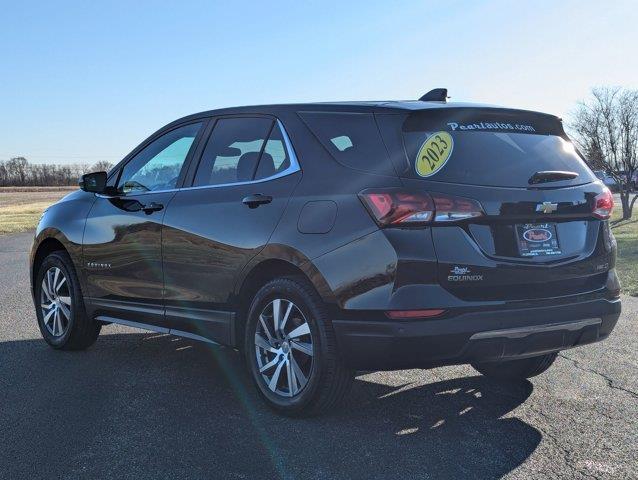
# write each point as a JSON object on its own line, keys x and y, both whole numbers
{"x": 603, "y": 205}
{"x": 452, "y": 209}
{"x": 392, "y": 207}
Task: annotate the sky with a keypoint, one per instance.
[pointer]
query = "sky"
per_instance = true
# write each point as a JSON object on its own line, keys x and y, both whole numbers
{"x": 85, "y": 81}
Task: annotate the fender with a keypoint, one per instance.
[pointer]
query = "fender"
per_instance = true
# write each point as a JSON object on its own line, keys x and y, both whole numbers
{"x": 56, "y": 224}
{"x": 295, "y": 258}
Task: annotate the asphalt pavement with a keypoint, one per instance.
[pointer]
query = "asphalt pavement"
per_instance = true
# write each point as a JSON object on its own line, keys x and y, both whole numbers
{"x": 142, "y": 405}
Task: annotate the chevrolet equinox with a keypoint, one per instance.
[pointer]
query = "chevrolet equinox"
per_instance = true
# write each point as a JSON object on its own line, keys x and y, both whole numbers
{"x": 322, "y": 239}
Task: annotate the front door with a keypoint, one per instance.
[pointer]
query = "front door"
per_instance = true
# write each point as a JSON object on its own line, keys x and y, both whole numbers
{"x": 122, "y": 238}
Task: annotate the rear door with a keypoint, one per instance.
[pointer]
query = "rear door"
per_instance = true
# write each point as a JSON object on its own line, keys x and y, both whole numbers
{"x": 537, "y": 236}
{"x": 212, "y": 229}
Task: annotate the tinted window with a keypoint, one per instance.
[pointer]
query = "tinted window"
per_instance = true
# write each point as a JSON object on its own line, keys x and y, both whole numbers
{"x": 242, "y": 149}
{"x": 502, "y": 159}
{"x": 275, "y": 158}
{"x": 158, "y": 165}
{"x": 492, "y": 147}
{"x": 352, "y": 139}
{"x": 233, "y": 150}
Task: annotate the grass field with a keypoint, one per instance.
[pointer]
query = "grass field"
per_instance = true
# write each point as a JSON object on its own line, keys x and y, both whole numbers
{"x": 20, "y": 210}
{"x": 626, "y": 234}
{"x": 21, "y": 207}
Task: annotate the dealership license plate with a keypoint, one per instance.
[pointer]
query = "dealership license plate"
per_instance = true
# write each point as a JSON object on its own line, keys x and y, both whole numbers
{"x": 536, "y": 239}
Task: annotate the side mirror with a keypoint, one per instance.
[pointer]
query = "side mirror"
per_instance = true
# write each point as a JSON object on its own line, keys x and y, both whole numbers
{"x": 93, "y": 182}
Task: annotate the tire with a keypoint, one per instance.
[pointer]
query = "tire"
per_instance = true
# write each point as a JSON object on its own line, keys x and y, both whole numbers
{"x": 327, "y": 379}
{"x": 63, "y": 324}
{"x": 516, "y": 369}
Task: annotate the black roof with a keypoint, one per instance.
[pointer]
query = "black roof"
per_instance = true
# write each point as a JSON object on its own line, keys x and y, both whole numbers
{"x": 381, "y": 106}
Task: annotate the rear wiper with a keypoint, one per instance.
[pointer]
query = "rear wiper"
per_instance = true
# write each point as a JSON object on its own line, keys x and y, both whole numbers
{"x": 551, "y": 176}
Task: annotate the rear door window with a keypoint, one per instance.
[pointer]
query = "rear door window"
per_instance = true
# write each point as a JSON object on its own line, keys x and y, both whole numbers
{"x": 232, "y": 152}
{"x": 352, "y": 139}
{"x": 275, "y": 157}
{"x": 242, "y": 149}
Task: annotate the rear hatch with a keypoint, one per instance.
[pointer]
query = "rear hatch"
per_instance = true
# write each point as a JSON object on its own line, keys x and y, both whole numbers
{"x": 536, "y": 235}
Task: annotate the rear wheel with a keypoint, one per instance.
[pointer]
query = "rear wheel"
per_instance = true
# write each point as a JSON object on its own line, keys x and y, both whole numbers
{"x": 59, "y": 305}
{"x": 516, "y": 369}
{"x": 291, "y": 350}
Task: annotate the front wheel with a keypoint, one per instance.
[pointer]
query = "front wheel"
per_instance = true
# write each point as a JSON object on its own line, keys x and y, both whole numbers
{"x": 291, "y": 350}
{"x": 60, "y": 307}
{"x": 516, "y": 369}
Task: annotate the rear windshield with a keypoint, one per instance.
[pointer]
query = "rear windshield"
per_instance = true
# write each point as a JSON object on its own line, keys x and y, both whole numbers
{"x": 481, "y": 147}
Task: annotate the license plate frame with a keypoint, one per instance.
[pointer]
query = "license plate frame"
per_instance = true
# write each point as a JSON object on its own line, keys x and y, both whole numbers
{"x": 537, "y": 239}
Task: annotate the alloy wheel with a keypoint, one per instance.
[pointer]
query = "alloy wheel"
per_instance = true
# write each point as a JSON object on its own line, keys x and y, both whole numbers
{"x": 284, "y": 348}
{"x": 55, "y": 302}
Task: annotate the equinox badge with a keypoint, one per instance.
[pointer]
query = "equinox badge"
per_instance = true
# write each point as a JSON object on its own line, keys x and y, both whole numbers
{"x": 546, "y": 207}
{"x": 463, "y": 274}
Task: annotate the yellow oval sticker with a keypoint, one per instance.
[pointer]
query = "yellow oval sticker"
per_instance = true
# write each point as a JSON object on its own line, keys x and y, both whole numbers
{"x": 434, "y": 154}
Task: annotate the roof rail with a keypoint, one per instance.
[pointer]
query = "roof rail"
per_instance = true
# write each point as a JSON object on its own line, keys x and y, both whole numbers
{"x": 435, "y": 95}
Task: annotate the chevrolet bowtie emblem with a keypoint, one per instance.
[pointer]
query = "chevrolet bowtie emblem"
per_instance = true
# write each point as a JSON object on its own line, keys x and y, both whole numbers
{"x": 546, "y": 207}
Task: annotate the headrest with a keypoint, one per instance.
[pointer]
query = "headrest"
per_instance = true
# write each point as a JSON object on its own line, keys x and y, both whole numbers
{"x": 266, "y": 166}
{"x": 247, "y": 163}
{"x": 246, "y": 166}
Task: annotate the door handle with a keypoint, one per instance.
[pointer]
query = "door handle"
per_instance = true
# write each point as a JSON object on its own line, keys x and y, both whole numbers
{"x": 152, "y": 207}
{"x": 253, "y": 201}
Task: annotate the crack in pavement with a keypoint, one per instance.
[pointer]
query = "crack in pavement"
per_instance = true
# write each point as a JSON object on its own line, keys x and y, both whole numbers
{"x": 567, "y": 453}
{"x": 608, "y": 380}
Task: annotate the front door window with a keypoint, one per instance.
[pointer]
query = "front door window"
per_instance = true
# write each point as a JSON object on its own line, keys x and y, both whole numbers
{"x": 157, "y": 167}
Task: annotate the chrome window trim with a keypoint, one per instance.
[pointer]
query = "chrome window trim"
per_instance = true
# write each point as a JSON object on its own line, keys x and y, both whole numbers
{"x": 133, "y": 195}
{"x": 294, "y": 167}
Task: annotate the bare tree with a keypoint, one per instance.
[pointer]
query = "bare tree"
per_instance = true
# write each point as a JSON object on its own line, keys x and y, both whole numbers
{"x": 605, "y": 127}
{"x": 80, "y": 169}
{"x": 101, "y": 166}
{"x": 17, "y": 170}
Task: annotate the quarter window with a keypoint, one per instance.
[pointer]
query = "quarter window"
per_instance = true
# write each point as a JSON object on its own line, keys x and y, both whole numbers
{"x": 158, "y": 165}
{"x": 352, "y": 139}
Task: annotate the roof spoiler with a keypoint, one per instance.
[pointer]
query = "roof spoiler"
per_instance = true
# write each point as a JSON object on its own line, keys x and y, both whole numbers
{"x": 436, "y": 95}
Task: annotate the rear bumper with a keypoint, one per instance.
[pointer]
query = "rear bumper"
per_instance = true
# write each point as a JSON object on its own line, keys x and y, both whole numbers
{"x": 474, "y": 336}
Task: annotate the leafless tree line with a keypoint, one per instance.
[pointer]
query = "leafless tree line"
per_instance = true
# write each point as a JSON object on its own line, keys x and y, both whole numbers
{"x": 605, "y": 128}
{"x": 18, "y": 172}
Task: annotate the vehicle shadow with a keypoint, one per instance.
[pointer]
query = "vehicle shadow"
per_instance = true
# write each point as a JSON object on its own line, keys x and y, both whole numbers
{"x": 156, "y": 406}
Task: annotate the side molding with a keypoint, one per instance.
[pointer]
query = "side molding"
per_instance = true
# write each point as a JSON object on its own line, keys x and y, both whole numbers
{"x": 154, "y": 328}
